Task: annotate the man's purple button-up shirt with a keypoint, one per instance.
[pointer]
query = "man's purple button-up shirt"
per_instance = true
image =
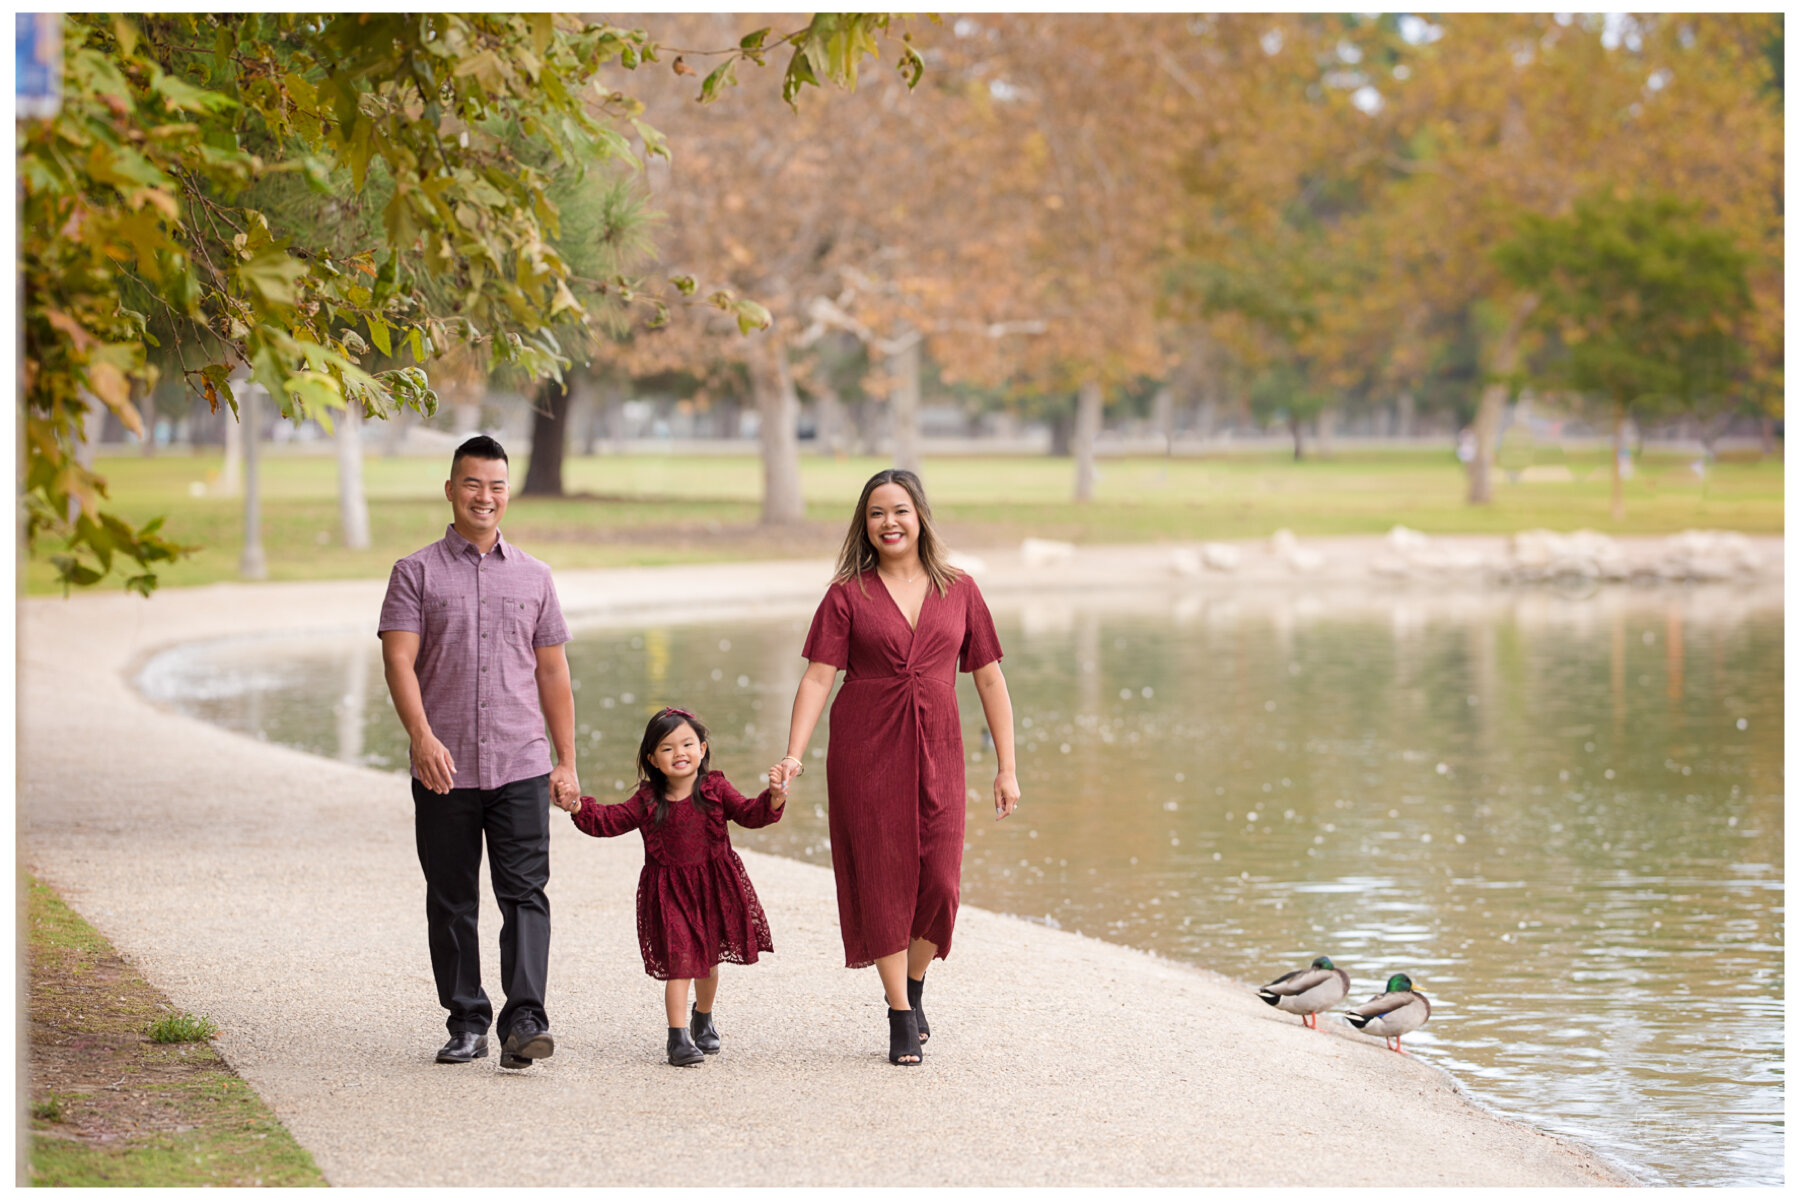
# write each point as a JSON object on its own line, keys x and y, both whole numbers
{"x": 480, "y": 620}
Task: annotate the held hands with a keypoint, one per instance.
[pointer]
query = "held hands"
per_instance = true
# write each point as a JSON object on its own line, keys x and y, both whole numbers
{"x": 433, "y": 762}
{"x": 784, "y": 773}
{"x": 565, "y": 788}
{"x": 1006, "y": 794}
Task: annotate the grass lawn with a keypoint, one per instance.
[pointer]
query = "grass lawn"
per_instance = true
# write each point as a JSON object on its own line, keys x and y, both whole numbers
{"x": 113, "y": 1107}
{"x": 644, "y": 510}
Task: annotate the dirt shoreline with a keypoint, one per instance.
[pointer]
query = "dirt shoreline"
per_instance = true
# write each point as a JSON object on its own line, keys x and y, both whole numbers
{"x": 279, "y": 893}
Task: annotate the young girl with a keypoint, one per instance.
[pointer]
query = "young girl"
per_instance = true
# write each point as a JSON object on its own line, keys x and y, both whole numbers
{"x": 696, "y": 907}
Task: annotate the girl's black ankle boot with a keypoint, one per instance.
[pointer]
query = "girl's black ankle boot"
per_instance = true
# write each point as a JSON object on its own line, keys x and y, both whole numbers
{"x": 706, "y": 1036}
{"x": 682, "y": 1051}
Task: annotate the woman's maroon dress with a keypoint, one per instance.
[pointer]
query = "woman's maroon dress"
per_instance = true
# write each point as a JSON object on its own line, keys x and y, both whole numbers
{"x": 695, "y": 905}
{"x": 894, "y": 766}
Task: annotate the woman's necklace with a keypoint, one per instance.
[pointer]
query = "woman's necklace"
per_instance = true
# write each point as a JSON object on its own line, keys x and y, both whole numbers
{"x": 904, "y": 579}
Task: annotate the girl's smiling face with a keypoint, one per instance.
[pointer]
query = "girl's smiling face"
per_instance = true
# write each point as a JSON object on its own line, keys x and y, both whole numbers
{"x": 892, "y": 522}
{"x": 678, "y": 755}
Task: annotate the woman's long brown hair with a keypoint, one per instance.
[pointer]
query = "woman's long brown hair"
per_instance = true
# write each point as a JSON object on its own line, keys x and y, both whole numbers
{"x": 859, "y": 553}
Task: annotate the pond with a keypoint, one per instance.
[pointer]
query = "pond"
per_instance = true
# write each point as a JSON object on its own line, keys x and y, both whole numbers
{"x": 1561, "y": 816}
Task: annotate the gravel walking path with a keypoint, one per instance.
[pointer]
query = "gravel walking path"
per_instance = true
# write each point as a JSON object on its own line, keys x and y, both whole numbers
{"x": 280, "y": 894}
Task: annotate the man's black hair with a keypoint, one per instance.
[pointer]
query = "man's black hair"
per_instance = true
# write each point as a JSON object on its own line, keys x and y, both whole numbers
{"x": 479, "y": 446}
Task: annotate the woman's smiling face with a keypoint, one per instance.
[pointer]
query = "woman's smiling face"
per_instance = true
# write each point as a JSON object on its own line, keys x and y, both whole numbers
{"x": 892, "y": 522}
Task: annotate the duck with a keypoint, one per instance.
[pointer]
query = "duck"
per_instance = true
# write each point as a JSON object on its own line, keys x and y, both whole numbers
{"x": 1308, "y": 991}
{"x": 1399, "y": 1010}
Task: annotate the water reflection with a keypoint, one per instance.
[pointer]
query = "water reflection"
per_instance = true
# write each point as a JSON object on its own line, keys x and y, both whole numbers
{"x": 1563, "y": 818}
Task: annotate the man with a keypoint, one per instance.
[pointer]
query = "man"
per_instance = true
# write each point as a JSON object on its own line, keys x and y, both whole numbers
{"x": 472, "y": 642}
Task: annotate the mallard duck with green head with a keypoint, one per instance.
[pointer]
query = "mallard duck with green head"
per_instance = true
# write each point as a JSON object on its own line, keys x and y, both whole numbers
{"x": 1308, "y": 991}
{"x": 1397, "y": 1011}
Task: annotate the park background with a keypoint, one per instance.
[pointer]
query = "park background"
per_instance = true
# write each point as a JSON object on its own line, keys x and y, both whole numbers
{"x": 1177, "y": 282}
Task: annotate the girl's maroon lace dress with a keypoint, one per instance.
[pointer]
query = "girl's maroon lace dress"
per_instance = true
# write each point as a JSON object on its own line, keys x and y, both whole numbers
{"x": 695, "y": 905}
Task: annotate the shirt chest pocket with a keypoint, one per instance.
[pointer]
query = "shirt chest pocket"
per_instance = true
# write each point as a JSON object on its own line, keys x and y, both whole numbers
{"x": 446, "y": 615}
{"x": 517, "y": 619}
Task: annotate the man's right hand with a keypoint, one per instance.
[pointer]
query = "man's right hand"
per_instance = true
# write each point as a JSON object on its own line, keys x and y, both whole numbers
{"x": 433, "y": 763}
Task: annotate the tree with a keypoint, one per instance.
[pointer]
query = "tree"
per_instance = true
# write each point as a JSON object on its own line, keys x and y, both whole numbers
{"x": 604, "y": 233}
{"x": 138, "y": 187}
{"x": 1647, "y": 301}
{"x": 778, "y": 201}
{"x": 1484, "y": 117}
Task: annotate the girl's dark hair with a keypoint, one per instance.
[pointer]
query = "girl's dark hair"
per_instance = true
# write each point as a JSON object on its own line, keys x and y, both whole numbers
{"x": 661, "y": 726}
{"x": 859, "y": 556}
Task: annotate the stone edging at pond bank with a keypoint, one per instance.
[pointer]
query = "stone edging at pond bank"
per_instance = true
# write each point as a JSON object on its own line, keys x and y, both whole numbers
{"x": 279, "y": 893}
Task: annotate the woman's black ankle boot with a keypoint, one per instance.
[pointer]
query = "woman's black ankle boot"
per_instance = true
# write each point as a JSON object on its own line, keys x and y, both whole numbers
{"x": 700, "y": 1024}
{"x": 903, "y": 1038}
{"x": 682, "y": 1051}
{"x": 915, "y": 992}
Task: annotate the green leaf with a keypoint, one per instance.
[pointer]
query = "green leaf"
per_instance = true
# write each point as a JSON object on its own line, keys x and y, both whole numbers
{"x": 543, "y": 31}
{"x": 723, "y": 75}
{"x": 272, "y": 275}
{"x": 378, "y": 333}
{"x": 485, "y": 67}
{"x": 799, "y": 74}
{"x": 753, "y": 41}
{"x": 181, "y": 96}
{"x": 751, "y": 316}
{"x": 911, "y": 66}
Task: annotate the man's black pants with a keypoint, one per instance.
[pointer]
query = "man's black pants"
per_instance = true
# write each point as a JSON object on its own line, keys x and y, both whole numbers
{"x": 515, "y": 817}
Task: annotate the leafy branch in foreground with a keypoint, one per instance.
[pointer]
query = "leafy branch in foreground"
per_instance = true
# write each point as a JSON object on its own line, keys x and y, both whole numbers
{"x": 143, "y": 230}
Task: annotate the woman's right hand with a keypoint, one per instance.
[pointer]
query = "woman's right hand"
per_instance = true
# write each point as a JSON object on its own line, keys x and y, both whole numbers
{"x": 783, "y": 772}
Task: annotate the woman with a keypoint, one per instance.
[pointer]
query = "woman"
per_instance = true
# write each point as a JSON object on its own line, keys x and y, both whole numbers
{"x": 898, "y": 619}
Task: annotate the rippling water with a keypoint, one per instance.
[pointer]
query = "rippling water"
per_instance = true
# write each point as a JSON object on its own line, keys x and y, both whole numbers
{"x": 1562, "y": 817}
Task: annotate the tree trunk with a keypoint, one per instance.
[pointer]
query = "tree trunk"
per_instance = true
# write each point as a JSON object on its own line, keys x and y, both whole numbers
{"x": 904, "y": 401}
{"x": 549, "y": 425}
{"x": 1088, "y": 406}
{"x": 1403, "y": 415}
{"x": 353, "y": 507}
{"x": 252, "y": 564}
{"x": 830, "y": 439}
{"x": 231, "y": 474}
{"x": 1205, "y": 416}
{"x": 146, "y": 398}
{"x": 1294, "y": 428}
{"x": 1162, "y": 415}
{"x": 778, "y": 409}
{"x": 1711, "y": 430}
{"x": 1062, "y": 433}
{"x": 612, "y": 417}
{"x": 578, "y": 436}
{"x": 393, "y": 433}
{"x": 1618, "y": 453}
{"x": 467, "y": 407}
{"x": 1493, "y": 403}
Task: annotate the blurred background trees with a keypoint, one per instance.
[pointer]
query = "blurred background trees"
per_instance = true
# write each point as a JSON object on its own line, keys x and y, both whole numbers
{"x": 1190, "y": 224}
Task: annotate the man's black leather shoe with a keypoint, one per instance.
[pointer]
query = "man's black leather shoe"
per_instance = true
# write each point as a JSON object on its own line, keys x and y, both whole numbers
{"x": 463, "y": 1047}
{"x": 526, "y": 1042}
